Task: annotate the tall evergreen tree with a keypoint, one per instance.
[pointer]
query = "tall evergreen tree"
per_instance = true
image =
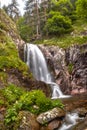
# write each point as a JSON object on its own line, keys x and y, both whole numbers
{"x": 13, "y": 10}
{"x": 36, "y": 14}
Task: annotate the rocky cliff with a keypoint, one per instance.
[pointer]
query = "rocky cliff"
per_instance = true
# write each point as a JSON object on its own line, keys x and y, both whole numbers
{"x": 68, "y": 67}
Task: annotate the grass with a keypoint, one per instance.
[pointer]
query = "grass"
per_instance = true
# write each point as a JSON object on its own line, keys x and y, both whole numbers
{"x": 9, "y": 55}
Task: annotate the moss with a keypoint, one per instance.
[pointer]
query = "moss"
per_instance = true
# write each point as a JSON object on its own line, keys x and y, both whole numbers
{"x": 9, "y": 57}
{"x": 2, "y": 26}
{"x": 2, "y": 99}
{"x": 8, "y": 48}
{"x": 3, "y": 77}
{"x": 7, "y": 24}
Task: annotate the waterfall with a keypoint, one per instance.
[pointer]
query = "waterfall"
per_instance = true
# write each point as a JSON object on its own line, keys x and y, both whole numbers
{"x": 34, "y": 58}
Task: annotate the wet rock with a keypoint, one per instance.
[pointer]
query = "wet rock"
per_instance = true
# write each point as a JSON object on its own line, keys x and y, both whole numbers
{"x": 68, "y": 67}
{"x": 82, "y": 125}
{"x": 77, "y": 56}
{"x": 55, "y": 124}
{"x": 82, "y": 112}
{"x": 50, "y": 115}
{"x": 55, "y": 58}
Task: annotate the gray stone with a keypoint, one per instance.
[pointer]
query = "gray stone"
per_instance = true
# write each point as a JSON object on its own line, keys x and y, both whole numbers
{"x": 50, "y": 115}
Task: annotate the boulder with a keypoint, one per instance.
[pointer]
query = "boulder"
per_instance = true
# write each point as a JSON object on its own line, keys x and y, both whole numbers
{"x": 50, "y": 115}
{"x": 27, "y": 121}
{"x": 55, "y": 124}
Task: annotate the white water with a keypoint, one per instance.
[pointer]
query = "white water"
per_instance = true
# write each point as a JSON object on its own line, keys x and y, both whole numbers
{"x": 37, "y": 63}
{"x": 71, "y": 119}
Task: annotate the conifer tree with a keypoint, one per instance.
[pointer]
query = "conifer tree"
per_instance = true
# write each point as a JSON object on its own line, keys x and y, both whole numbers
{"x": 13, "y": 10}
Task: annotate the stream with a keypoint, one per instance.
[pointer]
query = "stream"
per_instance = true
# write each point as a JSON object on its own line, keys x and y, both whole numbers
{"x": 76, "y": 113}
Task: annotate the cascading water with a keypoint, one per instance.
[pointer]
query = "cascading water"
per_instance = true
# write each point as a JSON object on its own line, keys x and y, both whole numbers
{"x": 70, "y": 120}
{"x": 37, "y": 63}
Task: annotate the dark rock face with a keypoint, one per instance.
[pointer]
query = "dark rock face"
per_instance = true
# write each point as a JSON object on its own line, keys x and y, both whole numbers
{"x": 77, "y": 56}
{"x": 55, "y": 58}
{"x": 14, "y": 76}
{"x": 68, "y": 67}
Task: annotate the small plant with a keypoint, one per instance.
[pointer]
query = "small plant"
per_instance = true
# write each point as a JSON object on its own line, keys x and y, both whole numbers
{"x": 1, "y": 102}
{"x": 70, "y": 68}
{"x": 10, "y": 115}
{"x": 12, "y": 93}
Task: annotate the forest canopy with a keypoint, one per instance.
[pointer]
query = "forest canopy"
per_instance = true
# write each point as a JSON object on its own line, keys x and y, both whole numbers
{"x": 48, "y": 17}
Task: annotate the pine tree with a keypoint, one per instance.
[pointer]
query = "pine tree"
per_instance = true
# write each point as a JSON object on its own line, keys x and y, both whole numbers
{"x": 13, "y": 10}
{"x": 36, "y": 15}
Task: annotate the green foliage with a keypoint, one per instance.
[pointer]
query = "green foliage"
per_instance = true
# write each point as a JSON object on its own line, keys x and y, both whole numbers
{"x": 9, "y": 62}
{"x": 65, "y": 7}
{"x": 64, "y": 41}
{"x": 11, "y": 116}
{"x": 70, "y": 68}
{"x": 38, "y": 99}
{"x": 1, "y": 102}
{"x": 2, "y": 26}
{"x": 68, "y": 40}
{"x": 9, "y": 57}
{"x": 81, "y": 8}
{"x": 3, "y": 76}
{"x": 24, "y": 29}
{"x": 12, "y": 93}
{"x": 18, "y": 99}
{"x": 58, "y": 24}
{"x": 8, "y": 48}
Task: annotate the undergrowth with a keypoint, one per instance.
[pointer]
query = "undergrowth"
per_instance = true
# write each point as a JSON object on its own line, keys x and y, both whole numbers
{"x": 17, "y": 99}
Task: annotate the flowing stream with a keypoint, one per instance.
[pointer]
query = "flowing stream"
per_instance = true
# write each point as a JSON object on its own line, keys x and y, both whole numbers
{"x": 34, "y": 58}
{"x": 71, "y": 119}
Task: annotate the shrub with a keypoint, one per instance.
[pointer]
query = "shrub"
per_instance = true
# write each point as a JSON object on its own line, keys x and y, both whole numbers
{"x": 58, "y": 24}
{"x": 12, "y": 93}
